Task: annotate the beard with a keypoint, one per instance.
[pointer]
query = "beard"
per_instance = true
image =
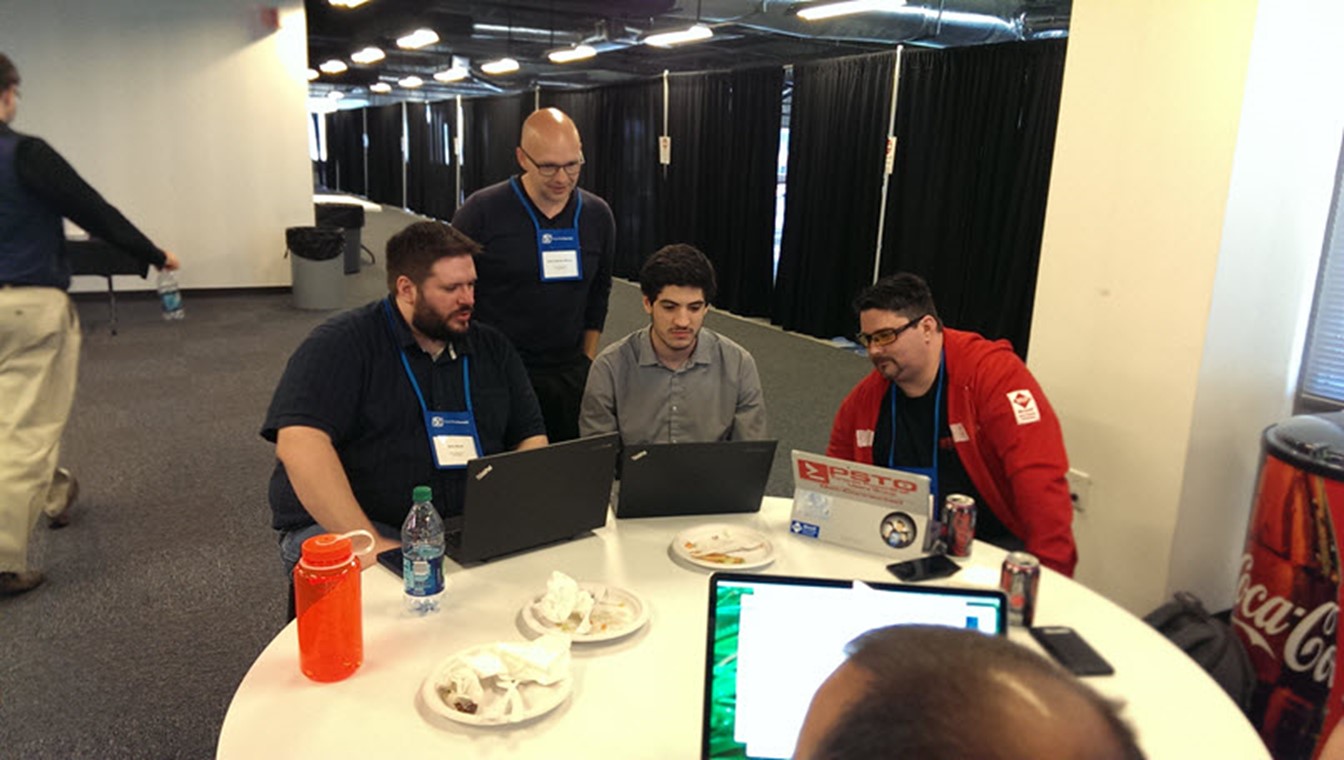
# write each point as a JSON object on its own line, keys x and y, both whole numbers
{"x": 433, "y": 326}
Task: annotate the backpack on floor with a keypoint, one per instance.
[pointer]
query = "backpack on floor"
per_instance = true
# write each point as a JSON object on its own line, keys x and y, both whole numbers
{"x": 1209, "y": 642}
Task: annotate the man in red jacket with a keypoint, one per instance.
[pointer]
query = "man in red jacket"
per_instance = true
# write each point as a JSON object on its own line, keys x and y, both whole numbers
{"x": 970, "y": 400}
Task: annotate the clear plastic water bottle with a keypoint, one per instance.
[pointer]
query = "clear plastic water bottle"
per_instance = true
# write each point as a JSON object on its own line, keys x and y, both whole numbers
{"x": 422, "y": 553}
{"x": 170, "y": 296}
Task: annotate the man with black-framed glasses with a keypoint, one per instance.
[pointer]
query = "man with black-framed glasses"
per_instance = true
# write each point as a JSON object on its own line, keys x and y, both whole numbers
{"x": 544, "y": 274}
{"x": 964, "y": 411}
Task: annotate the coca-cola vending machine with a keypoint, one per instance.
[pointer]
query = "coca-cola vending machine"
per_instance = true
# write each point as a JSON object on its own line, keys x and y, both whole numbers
{"x": 1287, "y": 606}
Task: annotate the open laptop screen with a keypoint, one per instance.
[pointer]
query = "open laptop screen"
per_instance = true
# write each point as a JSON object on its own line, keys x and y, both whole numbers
{"x": 772, "y": 640}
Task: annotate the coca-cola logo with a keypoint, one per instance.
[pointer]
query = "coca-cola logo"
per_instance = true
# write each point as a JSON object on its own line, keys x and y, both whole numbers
{"x": 1310, "y": 646}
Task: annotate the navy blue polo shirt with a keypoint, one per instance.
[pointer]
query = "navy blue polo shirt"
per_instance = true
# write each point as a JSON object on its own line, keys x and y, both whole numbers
{"x": 347, "y": 380}
{"x": 545, "y": 320}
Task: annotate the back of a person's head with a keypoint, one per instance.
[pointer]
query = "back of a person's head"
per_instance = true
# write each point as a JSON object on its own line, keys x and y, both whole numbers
{"x": 413, "y": 251}
{"x": 946, "y": 694}
{"x": 677, "y": 264}
{"x": 9, "y": 73}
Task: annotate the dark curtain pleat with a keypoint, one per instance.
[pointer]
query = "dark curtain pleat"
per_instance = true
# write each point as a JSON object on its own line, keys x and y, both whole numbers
{"x": 345, "y": 151}
{"x": 719, "y": 190}
{"x": 384, "y": 124}
{"x": 837, "y": 139}
{"x": 430, "y": 178}
{"x": 966, "y": 209}
{"x": 492, "y": 127}
{"x": 585, "y": 108}
{"x": 418, "y": 149}
{"x": 625, "y": 143}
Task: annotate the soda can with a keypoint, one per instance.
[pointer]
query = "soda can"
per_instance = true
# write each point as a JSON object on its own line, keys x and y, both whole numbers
{"x": 1020, "y": 578}
{"x": 959, "y": 514}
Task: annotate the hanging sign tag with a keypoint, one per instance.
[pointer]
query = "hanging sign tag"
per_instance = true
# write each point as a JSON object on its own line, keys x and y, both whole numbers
{"x": 665, "y": 150}
{"x": 891, "y": 153}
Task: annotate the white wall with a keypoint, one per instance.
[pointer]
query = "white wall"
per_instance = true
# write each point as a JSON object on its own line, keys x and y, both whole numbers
{"x": 187, "y": 115}
{"x": 1282, "y": 183}
{"x": 1147, "y": 125}
{"x": 1186, "y": 214}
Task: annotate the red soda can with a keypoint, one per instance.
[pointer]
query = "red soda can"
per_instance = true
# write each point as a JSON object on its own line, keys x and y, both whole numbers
{"x": 1020, "y": 578}
{"x": 959, "y": 512}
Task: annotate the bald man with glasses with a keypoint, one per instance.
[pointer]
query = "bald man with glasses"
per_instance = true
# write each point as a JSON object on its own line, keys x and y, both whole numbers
{"x": 544, "y": 274}
{"x": 964, "y": 411}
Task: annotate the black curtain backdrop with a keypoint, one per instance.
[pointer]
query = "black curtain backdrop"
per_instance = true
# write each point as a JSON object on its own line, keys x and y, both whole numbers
{"x": 384, "y": 124}
{"x": 585, "y": 108}
{"x": 345, "y": 151}
{"x": 966, "y": 208}
{"x": 430, "y": 176}
{"x": 492, "y": 127}
{"x": 719, "y": 191}
{"x": 837, "y": 139}
{"x": 625, "y": 144}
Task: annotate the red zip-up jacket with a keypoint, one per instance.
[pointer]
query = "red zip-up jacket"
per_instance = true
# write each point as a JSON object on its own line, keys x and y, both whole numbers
{"x": 1005, "y": 432}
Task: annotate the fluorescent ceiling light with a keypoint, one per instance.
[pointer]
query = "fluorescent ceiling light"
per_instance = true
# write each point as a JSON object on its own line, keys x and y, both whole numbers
{"x": 831, "y": 10}
{"x": 312, "y": 74}
{"x": 333, "y": 67}
{"x": 418, "y": 39}
{"x": 502, "y": 66}
{"x": 668, "y": 39}
{"x": 368, "y": 55}
{"x": 380, "y": 87}
{"x": 411, "y": 82}
{"x": 569, "y": 55}
{"x": 347, "y": 3}
{"x": 455, "y": 74}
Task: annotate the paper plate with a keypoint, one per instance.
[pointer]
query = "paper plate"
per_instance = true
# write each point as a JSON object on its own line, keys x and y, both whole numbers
{"x": 603, "y": 629}
{"x": 537, "y": 699}
{"x": 724, "y": 547}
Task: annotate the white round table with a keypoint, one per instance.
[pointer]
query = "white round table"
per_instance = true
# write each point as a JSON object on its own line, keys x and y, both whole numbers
{"x": 640, "y": 697}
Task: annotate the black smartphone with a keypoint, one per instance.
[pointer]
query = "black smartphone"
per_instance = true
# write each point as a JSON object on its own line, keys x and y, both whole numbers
{"x": 1071, "y": 650}
{"x": 391, "y": 559}
{"x": 924, "y": 568}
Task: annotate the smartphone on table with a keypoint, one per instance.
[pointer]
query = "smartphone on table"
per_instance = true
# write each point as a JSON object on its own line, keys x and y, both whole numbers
{"x": 924, "y": 568}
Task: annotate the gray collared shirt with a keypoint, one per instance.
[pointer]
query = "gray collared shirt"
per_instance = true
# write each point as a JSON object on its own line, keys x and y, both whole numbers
{"x": 715, "y": 396}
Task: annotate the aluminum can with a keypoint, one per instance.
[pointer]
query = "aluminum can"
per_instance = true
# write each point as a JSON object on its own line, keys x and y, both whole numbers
{"x": 959, "y": 514}
{"x": 1020, "y": 578}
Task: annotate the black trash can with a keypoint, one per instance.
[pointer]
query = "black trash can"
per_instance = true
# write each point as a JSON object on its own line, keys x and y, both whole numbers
{"x": 349, "y": 218}
{"x": 316, "y": 267}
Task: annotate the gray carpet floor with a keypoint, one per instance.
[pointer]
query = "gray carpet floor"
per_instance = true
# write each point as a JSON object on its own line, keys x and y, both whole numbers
{"x": 167, "y": 584}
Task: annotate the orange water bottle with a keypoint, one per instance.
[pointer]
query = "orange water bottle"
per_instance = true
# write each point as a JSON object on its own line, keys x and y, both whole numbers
{"x": 327, "y": 605}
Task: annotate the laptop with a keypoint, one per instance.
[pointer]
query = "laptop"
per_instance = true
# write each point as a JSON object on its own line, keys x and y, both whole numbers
{"x": 719, "y": 477}
{"x": 862, "y": 506}
{"x": 524, "y": 499}
{"x": 759, "y": 681}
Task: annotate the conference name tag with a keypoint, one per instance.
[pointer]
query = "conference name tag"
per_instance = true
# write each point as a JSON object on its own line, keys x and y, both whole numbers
{"x": 452, "y": 439}
{"x": 1024, "y": 406}
{"x": 454, "y": 450}
{"x": 560, "y": 265}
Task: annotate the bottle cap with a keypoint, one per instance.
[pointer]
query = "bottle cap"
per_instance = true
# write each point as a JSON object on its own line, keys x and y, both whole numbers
{"x": 422, "y": 493}
{"x": 330, "y": 549}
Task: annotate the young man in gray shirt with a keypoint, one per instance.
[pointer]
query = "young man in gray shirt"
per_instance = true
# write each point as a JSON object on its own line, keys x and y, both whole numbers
{"x": 673, "y": 381}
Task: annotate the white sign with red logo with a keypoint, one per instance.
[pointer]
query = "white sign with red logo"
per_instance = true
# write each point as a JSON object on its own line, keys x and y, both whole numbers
{"x": 887, "y": 512}
{"x": 1024, "y": 406}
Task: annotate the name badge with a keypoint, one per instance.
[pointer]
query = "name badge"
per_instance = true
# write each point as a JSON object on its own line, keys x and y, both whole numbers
{"x": 560, "y": 265}
{"x": 452, "y": 439}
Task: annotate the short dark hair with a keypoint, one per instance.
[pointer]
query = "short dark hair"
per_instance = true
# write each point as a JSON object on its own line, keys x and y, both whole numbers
{"x": 935, "y": 693}
{"x": 413, "y": 251}
{"x": 903, "y": 293}
{"x": 677, "y": 264}
{"x": 9, "y": 73}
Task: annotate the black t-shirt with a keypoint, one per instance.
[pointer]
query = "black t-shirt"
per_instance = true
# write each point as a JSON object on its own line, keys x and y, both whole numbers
{"x": 347, "y": 380}
{"x": 914, "y": 448}
{"x": 545, "y": 320}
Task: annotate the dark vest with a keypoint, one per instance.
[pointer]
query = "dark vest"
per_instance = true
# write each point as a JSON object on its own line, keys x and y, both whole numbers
{"x": 31, "y": 238}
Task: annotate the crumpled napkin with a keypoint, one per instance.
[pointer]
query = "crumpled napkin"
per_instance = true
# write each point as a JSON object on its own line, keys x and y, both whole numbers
{"x": 503, "y": 667}
{"x": 563, "y": 600}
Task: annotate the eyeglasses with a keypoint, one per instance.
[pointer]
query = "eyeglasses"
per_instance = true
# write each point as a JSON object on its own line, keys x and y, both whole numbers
{"x": 549, "y": 170}
{"x": 886, "y": 335}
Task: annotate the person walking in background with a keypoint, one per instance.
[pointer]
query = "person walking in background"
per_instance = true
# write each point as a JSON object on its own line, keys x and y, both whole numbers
{"x": 545, "y": 271}
{"x": 39, "y": 327}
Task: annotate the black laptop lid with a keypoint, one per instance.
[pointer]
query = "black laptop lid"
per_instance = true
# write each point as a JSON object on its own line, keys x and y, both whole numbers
{"x": 524, "y": 499}
{"x": 720, "y": 477}
{"x": 772, "y": 640}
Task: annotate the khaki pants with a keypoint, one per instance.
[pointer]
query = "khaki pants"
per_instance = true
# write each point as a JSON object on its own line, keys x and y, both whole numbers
{"x": 39, "y": 362}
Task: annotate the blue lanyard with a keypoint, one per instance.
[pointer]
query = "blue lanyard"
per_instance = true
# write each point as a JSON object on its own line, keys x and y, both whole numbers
{"x": 536, "y": 224}
{"x": 937, "y": 413}
{"x": 466, "y": 376}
